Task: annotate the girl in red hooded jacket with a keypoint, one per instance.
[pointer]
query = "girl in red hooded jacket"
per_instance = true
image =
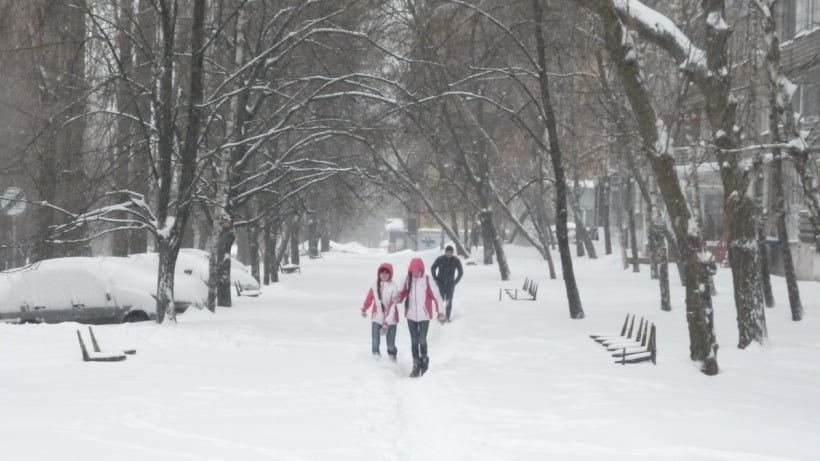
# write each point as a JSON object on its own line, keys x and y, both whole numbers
{"x": 419, "y": 295}
{"x": 382, "y": 299}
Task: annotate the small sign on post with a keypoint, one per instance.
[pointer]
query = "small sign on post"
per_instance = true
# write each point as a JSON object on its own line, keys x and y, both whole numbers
{"x": 13, "y": 201}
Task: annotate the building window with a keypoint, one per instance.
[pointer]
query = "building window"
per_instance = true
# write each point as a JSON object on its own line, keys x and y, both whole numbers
{"x": 806, "y": 15}
{"x": 800, "y": 16}
{"x": 810, "y": 99}
{"x": 763, "y": 120}
{"x": 807, "y": 97}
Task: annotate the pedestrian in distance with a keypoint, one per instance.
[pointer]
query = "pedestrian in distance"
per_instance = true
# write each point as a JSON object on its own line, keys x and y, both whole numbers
{"x": 444, "y": 273}
{"x": 382, "y": 299}
{"x": 419, "y": 296}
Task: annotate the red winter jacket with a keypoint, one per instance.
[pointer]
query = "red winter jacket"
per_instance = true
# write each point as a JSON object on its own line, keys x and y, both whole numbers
{"x": 386, "y": 312}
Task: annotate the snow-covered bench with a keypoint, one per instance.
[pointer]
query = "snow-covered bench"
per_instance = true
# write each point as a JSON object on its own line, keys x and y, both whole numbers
{"x": 290, "y": 268}
{"x": 242, "y": 292}
{"x": 629, "y": 349}
{"x": 97, "y": 355}
{"x": 528, "y": 293}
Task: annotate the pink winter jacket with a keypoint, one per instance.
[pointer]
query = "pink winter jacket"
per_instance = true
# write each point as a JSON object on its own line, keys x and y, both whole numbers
{"x": 421, "y": 294}
{"x": 386, "y": 312}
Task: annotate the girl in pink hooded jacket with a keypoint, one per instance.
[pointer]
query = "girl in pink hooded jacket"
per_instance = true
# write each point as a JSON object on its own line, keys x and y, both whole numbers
{"x": 419, "y": 295}
{"x": 382, "y": 299}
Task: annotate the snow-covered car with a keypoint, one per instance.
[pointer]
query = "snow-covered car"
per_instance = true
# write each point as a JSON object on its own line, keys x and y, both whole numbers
{"x": 40, "y": 293}
{"x": 138, "y": 275}
{"x": 197, "y": 261}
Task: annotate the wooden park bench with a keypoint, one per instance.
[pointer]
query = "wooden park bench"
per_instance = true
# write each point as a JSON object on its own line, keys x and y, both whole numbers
{"x": 528, "y": 293}
{"x": 97, "y": 355}
{"x": 628, "y": 348}
{"x": 241, "y": 292}
{"x": 641, "y": 260}
{"x": 290, "y": 268}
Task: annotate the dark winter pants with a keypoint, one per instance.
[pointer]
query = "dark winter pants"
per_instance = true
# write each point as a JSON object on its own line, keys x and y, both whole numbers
{"x": 391, "y": 338}
{"x": 446, "y": 289}
{"x": 418, "y": 338}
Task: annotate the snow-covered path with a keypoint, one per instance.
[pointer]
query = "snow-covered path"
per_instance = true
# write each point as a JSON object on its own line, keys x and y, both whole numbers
{"x": 289, "y": 376}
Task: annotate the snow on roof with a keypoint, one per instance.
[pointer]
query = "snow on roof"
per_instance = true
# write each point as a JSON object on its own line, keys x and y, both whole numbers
{"x": 394, "y": 224}
{"x": 585, "y": 183}
{"x": 353, "y": 247}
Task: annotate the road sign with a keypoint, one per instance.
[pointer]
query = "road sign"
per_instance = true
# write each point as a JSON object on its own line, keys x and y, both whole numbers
{"x": 13, "y": 201}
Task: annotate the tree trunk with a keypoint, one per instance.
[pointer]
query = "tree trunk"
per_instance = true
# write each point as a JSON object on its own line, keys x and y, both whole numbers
{"x": 226, "y": 208}
{"x": 623, "y": 227}
{"x": 674, "y": 253}
{"x": 57, "y": 44}
{"x": 253, "y": 246}
{"x": 167, "y": 256}
{"x": 743, "y": 257}
{"x": 219, "y": 264}
{"x": 582, "y": 237}
{"x": 125, "y": 130}
{"x": 170, "y": 232}
{"x": 454, "y": 225}
{"x": 281, "y": 252}
{"x": 486, "y": 239}
{"x": 313, "y": 237}
{"x": 783, "y": 236}
{"x": 576, "y": 310}
{"x": 467, "y": 227}
{"x": 579, "y": 245}
{"x": 699, "y": 312}
{"x": 721, "y": 108}
{"x": 630, "y": 214}
{"x": 659, "y": 254}
{"x": 780, "y": 103}
{"x": 663, "y": 279}
{"x": 270, "y": 270}
{"x": 765, "y": 276}
{"x": 606, "y": 191}
{"x": 294, "y": 240}
{"x": 165, "y": 138}
{"x": 224, "y": 289}
{"x": 652, "y": 247}
{"x": 242, "y": 243}
{"x": 540, "y": 219}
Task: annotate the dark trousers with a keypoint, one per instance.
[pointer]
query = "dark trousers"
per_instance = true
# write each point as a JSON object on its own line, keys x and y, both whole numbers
{"x": 391, "y": 338}
{"x": 446, "y": 289}
{"x": 418, "y": 338}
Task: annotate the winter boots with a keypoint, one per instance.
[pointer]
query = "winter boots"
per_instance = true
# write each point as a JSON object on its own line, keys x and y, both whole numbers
{"x": 420, "y": 367}
{"x": 416, "y": 369}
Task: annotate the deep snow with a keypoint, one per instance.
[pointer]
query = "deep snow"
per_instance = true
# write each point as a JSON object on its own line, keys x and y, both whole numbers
{"x": 289, "y": 376}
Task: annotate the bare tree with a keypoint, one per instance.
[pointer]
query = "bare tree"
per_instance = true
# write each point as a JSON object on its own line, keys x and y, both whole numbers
{"x": 780, "y": 96}
{"x": 621, "y": 48}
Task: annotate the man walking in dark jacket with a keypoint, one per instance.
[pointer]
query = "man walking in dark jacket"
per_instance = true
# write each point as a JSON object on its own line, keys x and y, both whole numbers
{"x": 444, "y": 272}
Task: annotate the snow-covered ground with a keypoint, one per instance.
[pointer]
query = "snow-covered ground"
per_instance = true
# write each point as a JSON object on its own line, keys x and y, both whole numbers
{"x": 289, "y": 376}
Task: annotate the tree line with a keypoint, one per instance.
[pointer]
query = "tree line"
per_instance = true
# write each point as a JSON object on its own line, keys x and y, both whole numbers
{"x": 158, "y": 124}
